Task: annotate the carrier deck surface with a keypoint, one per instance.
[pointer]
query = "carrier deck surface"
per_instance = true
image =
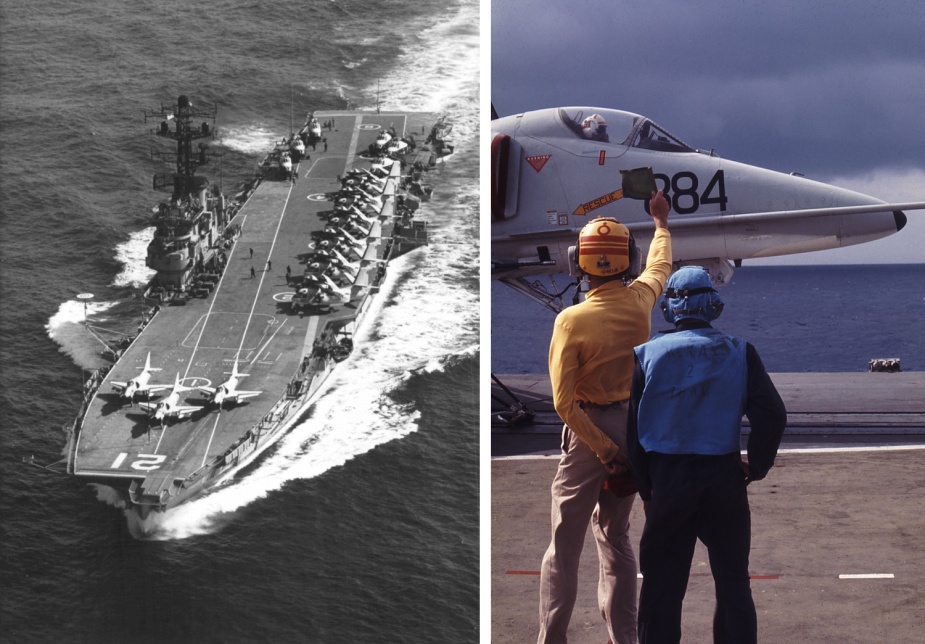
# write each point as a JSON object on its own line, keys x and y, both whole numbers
{"x": 249, "y": 317}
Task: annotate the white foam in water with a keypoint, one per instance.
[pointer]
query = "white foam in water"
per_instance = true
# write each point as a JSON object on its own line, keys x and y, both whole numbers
{"x": 132, "y": 254}
{"x": 249, "y": 140}
{"x": 428, "y": 79}
{"x": 67, "y": 328}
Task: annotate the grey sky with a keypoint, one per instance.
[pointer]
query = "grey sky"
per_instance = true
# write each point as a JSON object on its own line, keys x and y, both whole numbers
{"x": 832, "y": 89}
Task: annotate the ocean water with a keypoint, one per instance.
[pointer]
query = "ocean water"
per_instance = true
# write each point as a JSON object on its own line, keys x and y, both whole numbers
{"x": 819, "y": 318}
{"x": 362, "y": 523}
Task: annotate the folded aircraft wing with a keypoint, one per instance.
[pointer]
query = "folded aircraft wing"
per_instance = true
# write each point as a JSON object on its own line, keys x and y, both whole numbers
{"x": 184, "y": 411}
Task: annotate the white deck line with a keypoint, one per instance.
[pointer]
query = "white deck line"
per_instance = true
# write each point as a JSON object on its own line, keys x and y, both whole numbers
{"x": 870, "y": 575}
{"x": 263, "y": 276}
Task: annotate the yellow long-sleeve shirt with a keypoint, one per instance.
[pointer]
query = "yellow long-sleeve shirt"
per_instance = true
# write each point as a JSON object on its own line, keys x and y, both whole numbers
{"x": 591, "y": 352}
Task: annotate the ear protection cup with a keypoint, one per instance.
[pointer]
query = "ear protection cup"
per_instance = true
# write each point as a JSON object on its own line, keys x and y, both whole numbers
{"x": 690, "y": 294}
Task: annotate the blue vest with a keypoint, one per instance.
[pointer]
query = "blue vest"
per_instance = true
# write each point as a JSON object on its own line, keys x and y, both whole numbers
{"x": 695, "y": 392}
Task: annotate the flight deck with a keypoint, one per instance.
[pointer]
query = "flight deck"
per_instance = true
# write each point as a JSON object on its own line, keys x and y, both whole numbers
{"x": 836, "y": 550}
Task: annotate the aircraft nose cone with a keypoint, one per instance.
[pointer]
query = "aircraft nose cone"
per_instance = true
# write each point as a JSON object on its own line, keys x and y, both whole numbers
{"x": 900, "y": 218}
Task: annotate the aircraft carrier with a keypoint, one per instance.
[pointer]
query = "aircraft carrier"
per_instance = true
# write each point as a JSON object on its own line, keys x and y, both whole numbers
{"x": 273, "y": 283}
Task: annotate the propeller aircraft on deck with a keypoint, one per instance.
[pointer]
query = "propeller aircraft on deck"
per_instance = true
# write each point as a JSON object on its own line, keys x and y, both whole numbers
{"x": 553, "y": 170}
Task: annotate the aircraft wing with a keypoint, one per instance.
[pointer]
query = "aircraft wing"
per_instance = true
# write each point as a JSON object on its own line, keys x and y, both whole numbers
{"x": 240, "y": 395}
{"x": 153, "y": 388}
{"x": 149, "y": 407}
{"x": 183, "y": 411}
{"x": 207, "y": 390}
{"x": 119, "y": 386}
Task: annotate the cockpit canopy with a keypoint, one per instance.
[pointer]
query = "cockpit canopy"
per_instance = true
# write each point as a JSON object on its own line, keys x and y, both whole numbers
{"x": 621, "y": 128}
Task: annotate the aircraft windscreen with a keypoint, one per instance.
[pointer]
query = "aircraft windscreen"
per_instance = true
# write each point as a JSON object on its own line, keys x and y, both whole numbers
{"x": 609, "y": 126}
{"x": 649, "y": 136}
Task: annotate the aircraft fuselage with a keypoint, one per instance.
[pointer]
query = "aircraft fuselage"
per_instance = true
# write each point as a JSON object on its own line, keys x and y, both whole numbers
{"x": 550, "y": 176}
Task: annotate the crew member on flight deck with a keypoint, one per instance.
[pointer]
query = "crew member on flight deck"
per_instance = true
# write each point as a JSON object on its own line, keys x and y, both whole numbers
{"x": 691, "y": 387}
{"x": 590, "y": 368}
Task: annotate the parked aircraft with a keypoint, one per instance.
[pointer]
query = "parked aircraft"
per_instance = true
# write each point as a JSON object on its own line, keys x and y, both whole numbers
{"x": 553, "y": 170}
{"x": 139, "y": 384}
{"x": 228, "y": 390}
{"x": 170, "y": 406}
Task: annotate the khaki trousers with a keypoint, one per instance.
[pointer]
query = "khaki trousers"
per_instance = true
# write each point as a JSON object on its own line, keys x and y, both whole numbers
{"x": 578, "y": 498}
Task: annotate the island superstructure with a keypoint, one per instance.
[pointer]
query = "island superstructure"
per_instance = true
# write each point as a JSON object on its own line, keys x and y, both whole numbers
{"x": 263, "y": 292}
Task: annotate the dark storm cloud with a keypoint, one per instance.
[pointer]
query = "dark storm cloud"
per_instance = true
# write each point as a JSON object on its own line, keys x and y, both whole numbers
{"x": 823, "y": 87}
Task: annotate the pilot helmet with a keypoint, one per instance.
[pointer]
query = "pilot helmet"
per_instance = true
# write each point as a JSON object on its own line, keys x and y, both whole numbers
{"x": 593, "y": 126}
{"x": 605, "y": 247}
{"x": 690, "y": 294}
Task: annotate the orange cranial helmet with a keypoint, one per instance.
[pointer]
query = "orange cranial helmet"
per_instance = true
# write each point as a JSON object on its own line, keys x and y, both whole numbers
{"x": 604, "y": 247}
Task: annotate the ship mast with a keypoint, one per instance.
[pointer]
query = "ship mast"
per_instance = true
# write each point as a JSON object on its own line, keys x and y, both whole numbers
{"x": 183, "y": 182}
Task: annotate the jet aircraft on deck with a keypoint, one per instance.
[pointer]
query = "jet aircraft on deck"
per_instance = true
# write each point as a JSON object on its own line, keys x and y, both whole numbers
{"x": 228, "y": 390}
{"x": 139, "y": 384}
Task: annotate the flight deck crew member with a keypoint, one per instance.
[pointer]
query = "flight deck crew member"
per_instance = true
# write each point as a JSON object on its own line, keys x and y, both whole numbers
{"x": 590, "y": 367}
{"x": 691, "y": 387}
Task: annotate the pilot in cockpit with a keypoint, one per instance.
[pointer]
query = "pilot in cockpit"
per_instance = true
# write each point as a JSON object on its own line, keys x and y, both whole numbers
{"x": 595, "y": 128}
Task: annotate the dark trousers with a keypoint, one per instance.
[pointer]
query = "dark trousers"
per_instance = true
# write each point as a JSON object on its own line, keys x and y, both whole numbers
{"x": 696, "y": 497}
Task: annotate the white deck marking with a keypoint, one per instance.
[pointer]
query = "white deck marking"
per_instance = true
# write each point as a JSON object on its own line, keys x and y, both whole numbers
{"x": 834, "y": 450}
{"x": 263, "y": 274}
{"x": 269, "y": 340}
{"x": 218, "y": 287}
{"x": 161, "y": 437}
{"x": 354, "y": 137}
{"x": 872, "y": 575}
{"x": 205, "y": 456}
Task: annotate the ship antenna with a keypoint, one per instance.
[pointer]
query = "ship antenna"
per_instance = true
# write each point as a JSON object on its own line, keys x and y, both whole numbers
{"x": 377, "y": 96}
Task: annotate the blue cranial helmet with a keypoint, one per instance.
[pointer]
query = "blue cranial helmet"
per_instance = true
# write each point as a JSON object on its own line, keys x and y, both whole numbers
{"x": 690, "y": 294}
